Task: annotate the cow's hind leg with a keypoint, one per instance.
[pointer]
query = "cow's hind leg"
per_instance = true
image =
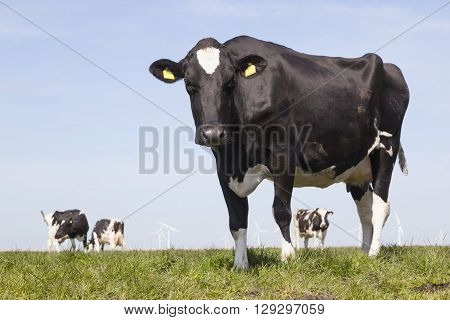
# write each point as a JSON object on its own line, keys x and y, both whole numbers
{"x": 383, "y": 161}
{"x": 85, "y": 242}
{"x": 372, "y": 203}
{"x": 363, "y": 200}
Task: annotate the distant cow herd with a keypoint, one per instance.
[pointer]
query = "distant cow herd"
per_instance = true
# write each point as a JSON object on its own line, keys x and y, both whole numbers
{"x": 73, "y": 225}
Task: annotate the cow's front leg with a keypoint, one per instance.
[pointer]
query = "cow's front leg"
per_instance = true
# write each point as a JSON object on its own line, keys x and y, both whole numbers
{"x": 238, "y": 222}
{"x": 282, "y": 212}
{"x": 297, "y": 238}
{"x": 49, "y": 244}
{"x": 322, "y": 236}
{"x": 56, "y": 245}
{"x": 306, "y": 242}
{"x": 72, "y": 244}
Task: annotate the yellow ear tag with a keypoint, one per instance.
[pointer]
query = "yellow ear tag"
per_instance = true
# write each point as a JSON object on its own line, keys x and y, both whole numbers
{"x": 167, "y": 74}
{"x": 251, "y": 69}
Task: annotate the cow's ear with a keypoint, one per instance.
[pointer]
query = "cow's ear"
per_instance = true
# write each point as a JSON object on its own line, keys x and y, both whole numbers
{"x": 167, "y": 70}
{"x": 330, "y": 213}
{"x": 251, "y": 65}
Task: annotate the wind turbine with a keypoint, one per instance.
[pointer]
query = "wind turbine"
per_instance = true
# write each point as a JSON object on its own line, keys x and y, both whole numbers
{"x": 258, "y": 233}
{"x": 400, "y": 232}
{"x": 160, "y": 235}
{"x": 225, "y": 239}
{"x": 168, "y": 230}
{"x": 440, "y": 238}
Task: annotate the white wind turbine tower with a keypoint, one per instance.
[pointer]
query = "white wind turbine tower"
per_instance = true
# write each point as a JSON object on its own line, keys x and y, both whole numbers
{"x": 168, "y": 230}
{"x": 160, "y": 235}
{"x": 440, "y": 238}
{"x": 225, "y": 239}
{"x": 400, "y": 232}
{"x": 258, "y": 233}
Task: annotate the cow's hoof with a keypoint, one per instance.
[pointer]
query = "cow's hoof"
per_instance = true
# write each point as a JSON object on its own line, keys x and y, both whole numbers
{"x": 374, "y": 249}
{"x": 241, "y": 265}
{"x": 287, "y": 251}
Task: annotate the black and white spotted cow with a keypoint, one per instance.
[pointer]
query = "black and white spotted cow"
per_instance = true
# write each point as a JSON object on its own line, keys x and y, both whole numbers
{"x": 311, "y": 223}
{"x": 107, "y": 231}
{"x": 269, "y": 112}
{"x": 63, "y": 225}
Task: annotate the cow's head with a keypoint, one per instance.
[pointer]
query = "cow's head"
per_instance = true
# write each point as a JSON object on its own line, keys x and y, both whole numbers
{"x": 320, "y": 218}
{"x": 211, "y": 75}
{"x": 65, "y": 227}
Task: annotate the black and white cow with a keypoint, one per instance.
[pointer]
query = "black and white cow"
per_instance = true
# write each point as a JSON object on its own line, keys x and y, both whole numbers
{"x": 63, "y": 225}
{"x": 269, "y": 112}
{"x": 107, "y": 231}
{"x": 311, "y": 223}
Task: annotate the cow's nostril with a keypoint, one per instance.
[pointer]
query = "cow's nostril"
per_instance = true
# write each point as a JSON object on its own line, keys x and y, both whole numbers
{"x": 213, "y": 135}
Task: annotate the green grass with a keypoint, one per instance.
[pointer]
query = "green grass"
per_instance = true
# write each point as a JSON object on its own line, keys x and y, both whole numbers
{"x": 335, "y": 273}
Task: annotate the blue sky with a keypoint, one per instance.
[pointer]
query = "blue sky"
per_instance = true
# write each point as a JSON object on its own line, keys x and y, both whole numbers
{"x": 70, "y": 132}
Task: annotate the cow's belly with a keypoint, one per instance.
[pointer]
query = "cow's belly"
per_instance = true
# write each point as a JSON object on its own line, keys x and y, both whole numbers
{"x": 357, "y": 175}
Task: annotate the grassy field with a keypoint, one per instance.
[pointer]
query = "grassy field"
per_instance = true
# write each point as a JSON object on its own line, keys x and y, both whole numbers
{"x": 335, "y": 273}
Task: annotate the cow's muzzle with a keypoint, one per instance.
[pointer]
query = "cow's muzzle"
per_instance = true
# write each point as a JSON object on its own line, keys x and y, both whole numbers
{"x": 211, "y": 136}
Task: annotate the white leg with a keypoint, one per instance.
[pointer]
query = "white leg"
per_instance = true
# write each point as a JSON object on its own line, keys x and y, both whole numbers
{"x": 380, "y": 214}
{"x": 297, "y": 237}
{"x": 73, "y": 245}
{"x": 49, "y": 245}
{"x": 240, "y": 249}
{"x": 287, "y": 250}
{"x": 322, "y": 239}
{"x": 306, "y": 242}
{"x": 96, "y": 245}
{"x": 373, "y": 212}
{"x": 364, "y": 207}
{"x": 56, "y": 245}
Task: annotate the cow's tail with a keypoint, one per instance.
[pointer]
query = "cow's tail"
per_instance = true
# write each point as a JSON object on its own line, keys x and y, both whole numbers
{"x": 402, "y": 160}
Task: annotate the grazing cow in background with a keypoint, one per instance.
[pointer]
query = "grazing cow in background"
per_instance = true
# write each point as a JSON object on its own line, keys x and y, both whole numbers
{"x": 311, "y": 223}
{"x": 300, "y": 120}
{"x": 107, "y": 231}
{"x": 63, "y": 225}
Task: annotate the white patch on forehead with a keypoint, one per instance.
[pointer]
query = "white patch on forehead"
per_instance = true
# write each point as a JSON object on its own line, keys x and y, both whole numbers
{"x": 208, "y": 58}
{"x": 322, "y": 211}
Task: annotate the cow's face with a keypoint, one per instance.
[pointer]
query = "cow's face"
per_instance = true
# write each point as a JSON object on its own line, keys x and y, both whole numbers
{"x": 323, "y": 217}
{"x": 210, "y": 73}
{"x": 65, "y": 227}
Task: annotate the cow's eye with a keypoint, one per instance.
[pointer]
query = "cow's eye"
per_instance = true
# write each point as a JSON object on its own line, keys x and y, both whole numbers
{"x": 229, "y": 85}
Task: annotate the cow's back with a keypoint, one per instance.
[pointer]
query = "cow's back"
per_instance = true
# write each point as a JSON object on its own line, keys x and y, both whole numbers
{"x": 337, "y": 97}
